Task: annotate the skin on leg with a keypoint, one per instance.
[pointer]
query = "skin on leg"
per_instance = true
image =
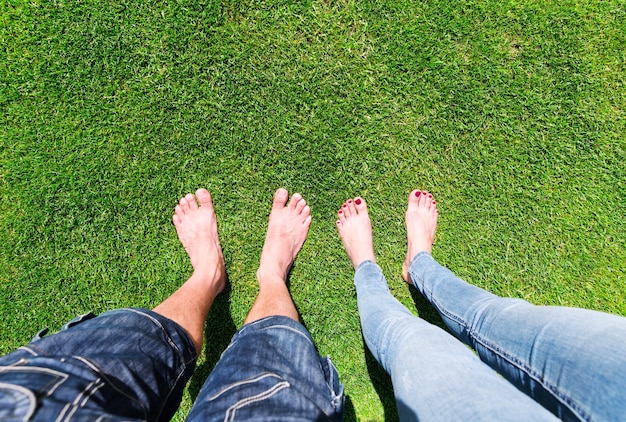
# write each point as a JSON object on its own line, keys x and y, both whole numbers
{"x": 196, "y": 225}
{"x": 421, "y": 224}
{"x": 287, "y": 230}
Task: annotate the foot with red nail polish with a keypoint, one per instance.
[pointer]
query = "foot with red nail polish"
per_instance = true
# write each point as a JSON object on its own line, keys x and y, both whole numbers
{"x": 355, "y": 231}
{"x": 421, "y": 223}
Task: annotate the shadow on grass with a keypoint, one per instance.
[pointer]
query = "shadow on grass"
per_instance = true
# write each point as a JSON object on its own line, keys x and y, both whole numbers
{"x": 425, "y": 310}
{"x": 218, "y": 331}
{"x": 383, "y": 386}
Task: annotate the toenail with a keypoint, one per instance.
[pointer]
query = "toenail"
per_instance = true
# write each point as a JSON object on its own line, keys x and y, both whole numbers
{"x": 418, "y": 193}
{"x": 339, "y": 211}
{"x": 349, "y": 201}
{"x": 344, "y": 205}
{"x": 430, "y": 196}
{"x": 358, "y": 202}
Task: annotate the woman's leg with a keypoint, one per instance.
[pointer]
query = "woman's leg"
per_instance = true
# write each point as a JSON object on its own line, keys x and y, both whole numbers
{"x": 435, "y": 377}
{"x": 572, "y": 361}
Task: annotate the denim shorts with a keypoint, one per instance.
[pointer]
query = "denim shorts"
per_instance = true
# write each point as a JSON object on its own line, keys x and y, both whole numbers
{"x": 271, "y": 372}
{"x": 127, "y": 364}
{"x": 133, "y": 364}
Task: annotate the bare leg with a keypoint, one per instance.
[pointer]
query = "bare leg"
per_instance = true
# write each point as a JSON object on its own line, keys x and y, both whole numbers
{"x": 197, "y": 230}
{"x": 421, "y": 223}
{"x": 355, "y": 231}
{"x": 287, "y": 230}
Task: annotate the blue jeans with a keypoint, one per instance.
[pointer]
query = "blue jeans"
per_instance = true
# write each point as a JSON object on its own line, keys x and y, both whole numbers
{"x": 571, "y": 362}
{"x": 133, "y": 364}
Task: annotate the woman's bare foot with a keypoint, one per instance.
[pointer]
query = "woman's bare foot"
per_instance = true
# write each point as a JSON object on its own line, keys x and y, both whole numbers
{"x": 421, "y": 223}
{"x": 286, "y": 232}
{"x": 197, "y": 230}
{"x": 355, "y": 231}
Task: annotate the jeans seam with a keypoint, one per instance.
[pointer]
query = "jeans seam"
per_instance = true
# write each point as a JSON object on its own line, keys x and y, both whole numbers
{"x": 249, "y": 400}
{"x": 94, "y": 367}
{"x": 254, "y": 379}
{"x": 512, "y": 360}
{"x": 81, "y": 399}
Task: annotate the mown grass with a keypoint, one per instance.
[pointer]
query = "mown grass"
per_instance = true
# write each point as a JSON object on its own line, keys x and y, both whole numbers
{"x": 511, "y": 113}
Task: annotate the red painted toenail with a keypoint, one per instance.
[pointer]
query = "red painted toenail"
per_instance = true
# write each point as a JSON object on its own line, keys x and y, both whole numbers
{"x": 358, "y": 202}
{"x": 418, "y": 193}
{"x": 339, "y": 211}
{"x": 344, "y": 205}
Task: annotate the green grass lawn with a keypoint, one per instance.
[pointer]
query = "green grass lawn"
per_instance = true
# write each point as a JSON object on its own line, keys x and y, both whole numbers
{"x": 511, "y": 113}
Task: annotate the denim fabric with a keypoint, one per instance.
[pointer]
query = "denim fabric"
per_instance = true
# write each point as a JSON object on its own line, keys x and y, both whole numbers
{"x": 271, "y": 372}
{"x": 572, "y": 361}
{"x": 435, "y": 377}
{"x": 127, "y": 364}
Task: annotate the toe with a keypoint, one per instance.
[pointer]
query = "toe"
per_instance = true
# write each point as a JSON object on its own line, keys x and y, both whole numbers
{"x": 296, "y": 198}
{"x": 359, "y": 204}
{"x": 301, "y": 205}
{"x": 345, "y": 209}
{"x": 414, "y": 196}
{"x": 183, "y": 204}
{"x": 204, "y": 197}
{"x": 280, "y": 197}
{"x": 341, "y": 215}
{"x": 191, "y": 201}
{"x": 351, "y": 207}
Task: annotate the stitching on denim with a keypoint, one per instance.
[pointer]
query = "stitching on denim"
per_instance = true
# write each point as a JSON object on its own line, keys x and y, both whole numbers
{"x": 247, "y": 381}
{"x": 181, "y": 373}
{"x": 51, "y": 386}
{"x": 158, "y": 324}
{"x": 81, "y": 399}
{"x": 512, "y": 360}
{"x": 231, "y": 411}
{"x": 287, "y": 328}
{"x": 104, "y": 376}
{"x": 29, "y": 350}
{"x": 32, "y": 400}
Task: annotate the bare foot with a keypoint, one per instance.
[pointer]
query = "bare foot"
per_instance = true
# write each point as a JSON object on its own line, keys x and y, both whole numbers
{"x": 286, "y": 232}
{"x": 355, "y": 231}
{"x": 421, "y": 223}
{"x": 197, "y": 230}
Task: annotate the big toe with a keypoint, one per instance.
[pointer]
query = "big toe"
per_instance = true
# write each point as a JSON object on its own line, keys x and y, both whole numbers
{"x": 359, "y": 204}
{"x": 280, "y": 197}
{"x": 204, "y": 197}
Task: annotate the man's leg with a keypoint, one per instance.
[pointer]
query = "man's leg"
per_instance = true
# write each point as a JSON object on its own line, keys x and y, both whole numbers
{"x": 197, "y": 230}
{"x": 569, "y": 360}
{"x": 435, "y": 377}
{"x": 128, "y": 363}
{"x": 287, "y": 230}
{"x": 271, "y": 370}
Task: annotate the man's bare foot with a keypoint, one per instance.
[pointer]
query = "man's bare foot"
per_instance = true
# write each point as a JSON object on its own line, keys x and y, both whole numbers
{"x": 421, "y": 223}
{"x": 355, "y": 231}
{"x": 286, "y": 232}
{"x": 197, "y": 230}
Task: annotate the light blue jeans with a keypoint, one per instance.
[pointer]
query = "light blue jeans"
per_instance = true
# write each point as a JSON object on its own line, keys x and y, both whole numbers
{"x": 569, "y": 362}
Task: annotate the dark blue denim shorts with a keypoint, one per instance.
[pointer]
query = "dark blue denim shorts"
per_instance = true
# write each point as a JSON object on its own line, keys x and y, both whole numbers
{"x": 127, "y": 364}
{"x": 133, "y": 364}
{"x": 271, "y": 372}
